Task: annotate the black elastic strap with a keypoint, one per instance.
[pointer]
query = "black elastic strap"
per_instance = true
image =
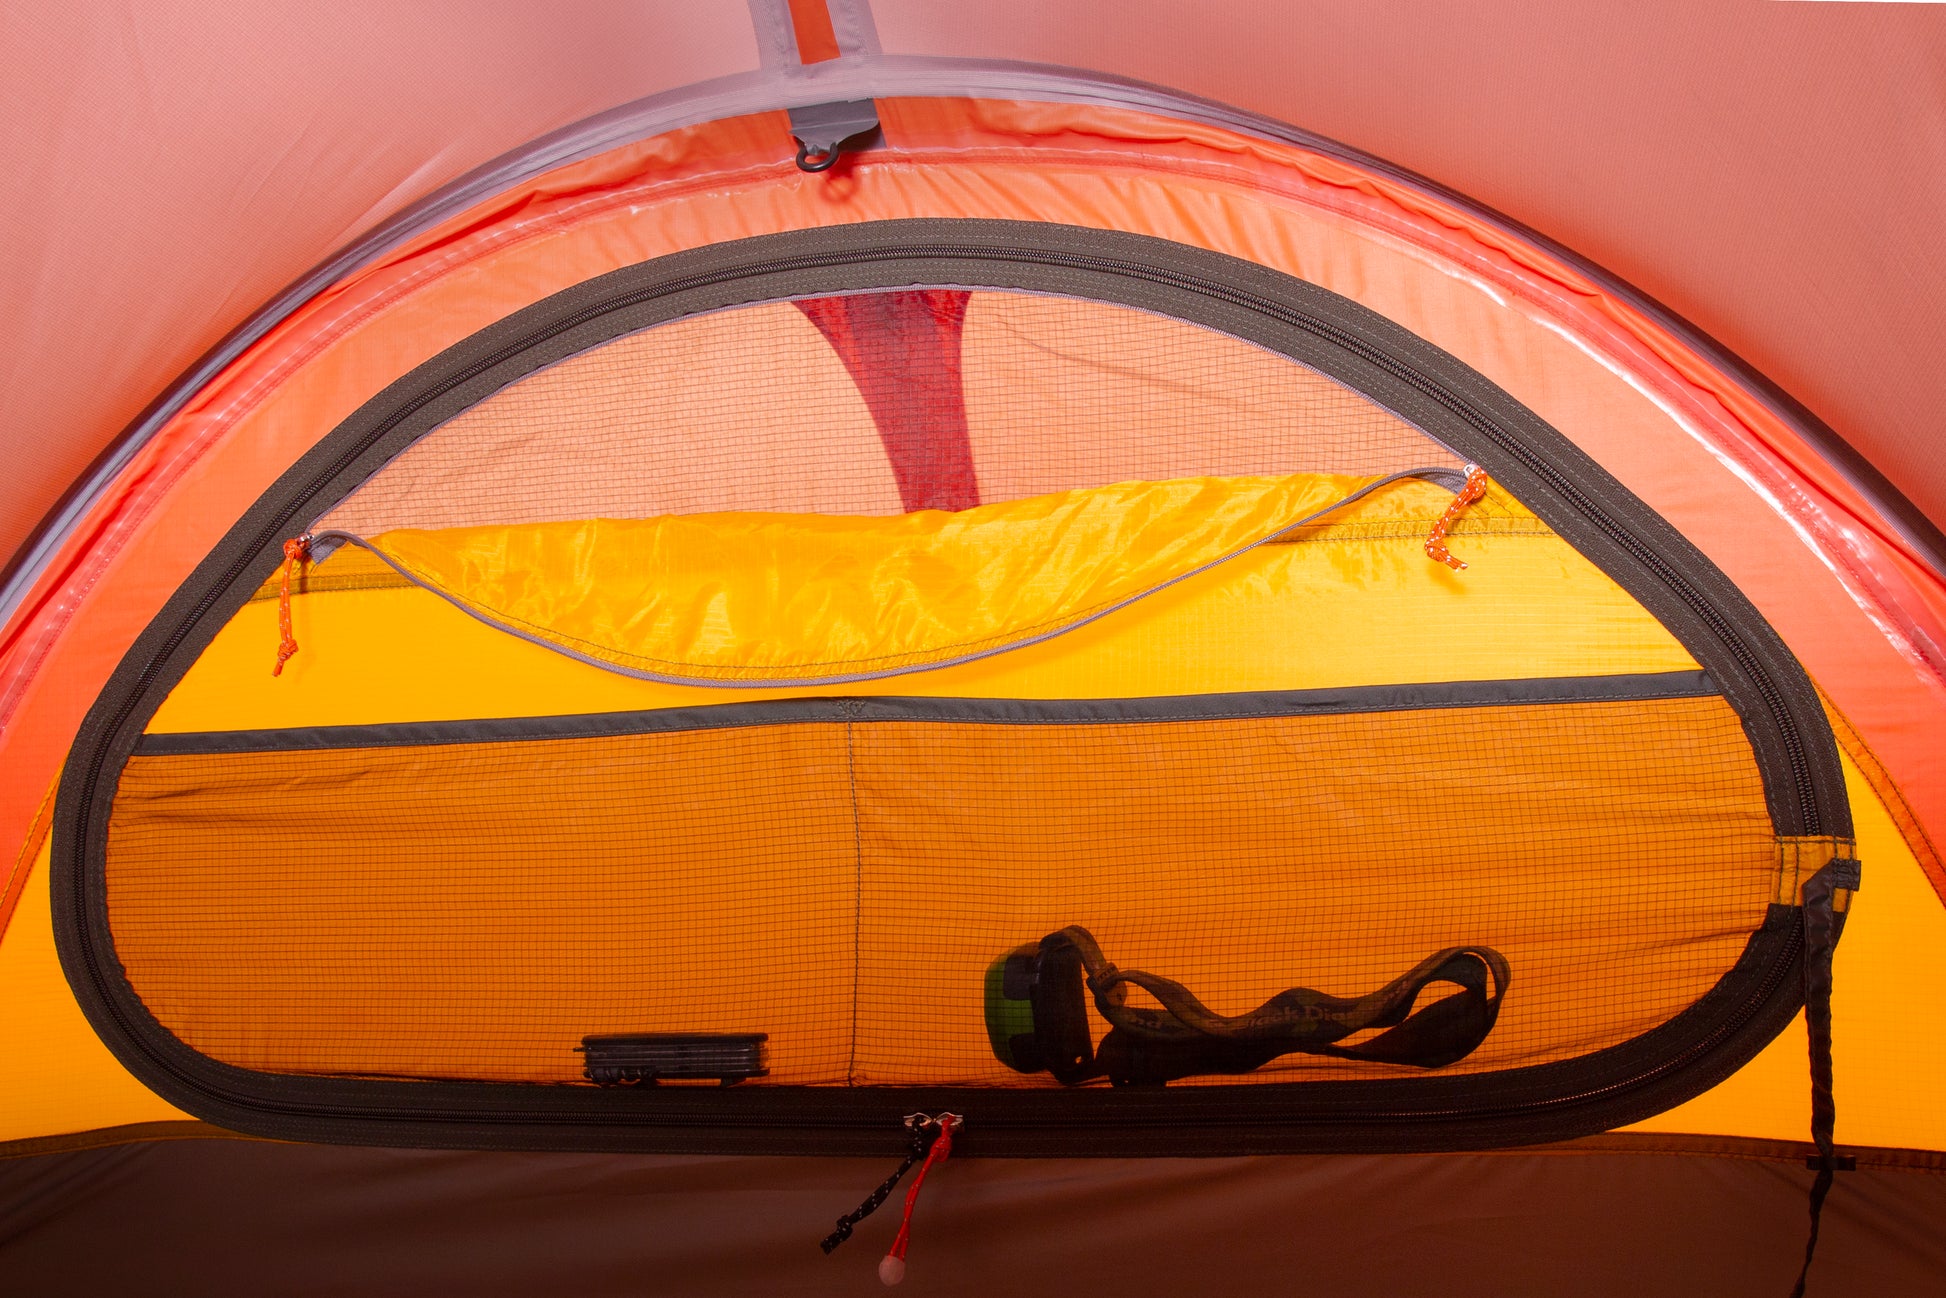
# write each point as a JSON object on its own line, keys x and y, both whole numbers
{"x": 1823, "y": 923}
{"x": 1185, "y": 1037}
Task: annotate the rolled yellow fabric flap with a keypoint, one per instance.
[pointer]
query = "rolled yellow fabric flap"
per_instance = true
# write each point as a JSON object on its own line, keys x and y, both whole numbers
{"x": 769, "y": 599}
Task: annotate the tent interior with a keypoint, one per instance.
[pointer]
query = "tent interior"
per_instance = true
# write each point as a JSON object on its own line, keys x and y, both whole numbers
{"x": 1240, "y": 626}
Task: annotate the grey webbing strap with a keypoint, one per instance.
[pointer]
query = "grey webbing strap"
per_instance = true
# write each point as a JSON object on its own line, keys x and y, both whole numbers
{"x": 1824, "y": 921}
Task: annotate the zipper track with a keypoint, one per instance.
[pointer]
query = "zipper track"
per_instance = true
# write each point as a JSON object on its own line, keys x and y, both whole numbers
{"x": 279, "y": 525}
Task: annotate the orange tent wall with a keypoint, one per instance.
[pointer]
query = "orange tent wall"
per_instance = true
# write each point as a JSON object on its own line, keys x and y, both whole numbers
{"x": 1864, "y": 615}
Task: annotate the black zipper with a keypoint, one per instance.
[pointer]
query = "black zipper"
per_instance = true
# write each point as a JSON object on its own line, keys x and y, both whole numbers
{"x": 249, "y": 548}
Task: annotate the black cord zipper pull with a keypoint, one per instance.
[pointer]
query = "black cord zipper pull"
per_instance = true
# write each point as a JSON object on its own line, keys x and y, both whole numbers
{"x": 924, "y": 1131}
{"x": 932, "y": 1141}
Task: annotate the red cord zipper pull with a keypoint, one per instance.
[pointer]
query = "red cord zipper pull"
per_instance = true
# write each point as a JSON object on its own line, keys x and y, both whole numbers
{"x": 1475, "y": 487}
{"x": 296, "y": 550}
{"x": 932, "y": 1141}
{"x": 891, "y": 1267}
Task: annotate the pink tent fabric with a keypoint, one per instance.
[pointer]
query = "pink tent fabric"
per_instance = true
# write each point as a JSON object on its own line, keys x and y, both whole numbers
{"x": 1775, "y": 172}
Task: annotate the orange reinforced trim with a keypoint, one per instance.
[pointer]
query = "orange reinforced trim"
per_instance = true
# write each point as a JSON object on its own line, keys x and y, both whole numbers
{"x": 1889, "y": 793}
{"x": 817, "y": 41}
{"x": 128, "y": 1133}
{"x": 23, "y": 865}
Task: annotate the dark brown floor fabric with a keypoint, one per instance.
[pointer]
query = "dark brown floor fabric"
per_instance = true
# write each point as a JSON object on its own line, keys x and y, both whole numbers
{"x": 211, "y": 1218}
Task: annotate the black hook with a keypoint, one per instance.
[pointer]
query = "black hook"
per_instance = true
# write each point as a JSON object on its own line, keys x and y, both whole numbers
{"x": 822, "y": 160}
{"x": 823, "y": 130}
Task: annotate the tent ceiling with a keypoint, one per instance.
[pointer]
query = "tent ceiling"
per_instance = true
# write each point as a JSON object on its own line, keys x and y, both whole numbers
{"x": 1775, "y": 171}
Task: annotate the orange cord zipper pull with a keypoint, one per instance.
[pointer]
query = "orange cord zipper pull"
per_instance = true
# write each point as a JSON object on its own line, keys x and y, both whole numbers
{"x": 1475, "y": 487}
{"x": 296, "y": 550}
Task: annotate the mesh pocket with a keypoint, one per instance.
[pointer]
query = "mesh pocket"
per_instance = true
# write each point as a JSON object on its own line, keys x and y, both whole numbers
{"x": 469, "y": 900}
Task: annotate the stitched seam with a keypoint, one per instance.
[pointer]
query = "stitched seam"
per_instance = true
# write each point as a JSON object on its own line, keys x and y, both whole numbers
{"x": 858, "y": 896}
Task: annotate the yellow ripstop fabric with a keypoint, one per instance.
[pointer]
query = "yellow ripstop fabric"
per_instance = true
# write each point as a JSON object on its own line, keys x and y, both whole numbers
{"x": 473, "y": 910}
{"x": 783, "y": 598}
{"x": 1888, "y": 1019}
{"x": 56, "y": 1076}
{"x": 1354, "y": 601}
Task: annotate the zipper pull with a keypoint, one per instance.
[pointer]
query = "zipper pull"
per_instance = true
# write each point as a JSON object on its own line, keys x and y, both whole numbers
{"x": 1474, "y": 488}
{"x": 891, "y": 1267}
{"x": 296, "y": 550}
{"x": 932, "y": 1141}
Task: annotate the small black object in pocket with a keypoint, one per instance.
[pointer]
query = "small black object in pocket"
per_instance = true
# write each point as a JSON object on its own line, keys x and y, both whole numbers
{"x": 727, "y": 1057}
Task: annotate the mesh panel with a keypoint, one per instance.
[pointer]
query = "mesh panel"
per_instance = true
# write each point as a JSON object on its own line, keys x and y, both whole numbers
{"x": 844, "y": 879}
{"x": 472, "y": 910}
{"x": 923, "y": 399}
